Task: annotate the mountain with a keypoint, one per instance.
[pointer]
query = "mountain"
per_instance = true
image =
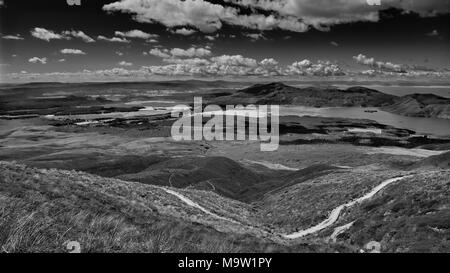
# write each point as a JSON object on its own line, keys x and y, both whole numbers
{"x": 279, "y": 93}
{"x": 421, "y": 105}
{"x": 418, "y": 105}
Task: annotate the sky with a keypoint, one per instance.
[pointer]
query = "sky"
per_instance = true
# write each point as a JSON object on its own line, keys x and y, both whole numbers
{"x": 115, "y": 40}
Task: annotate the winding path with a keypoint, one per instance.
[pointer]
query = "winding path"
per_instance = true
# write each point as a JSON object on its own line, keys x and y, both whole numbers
{"x": 334, "y": 215}
{"x": 191, "y": 203}
{"x": 332, "y": 218}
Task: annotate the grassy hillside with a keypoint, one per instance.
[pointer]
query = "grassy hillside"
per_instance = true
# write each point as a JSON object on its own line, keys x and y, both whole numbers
{"x": 411, "y": 216}
{"x": 40, "y": 210}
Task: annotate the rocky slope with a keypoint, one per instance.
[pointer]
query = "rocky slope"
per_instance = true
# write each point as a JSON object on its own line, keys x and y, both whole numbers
{"x": 421, "y": 105}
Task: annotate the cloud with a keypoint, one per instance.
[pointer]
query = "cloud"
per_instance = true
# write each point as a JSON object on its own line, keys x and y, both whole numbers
{"x": 293, "y": 15}
{"x": 192, "y": 52}
{"x": 255, "y": 36}
{"x": 240, "y": 66}
{"x": 379, "y": 68}
{"x": 46, "y": 35}
{"x": 218, "y": 66}
{"x": 124, "y": 63}
{"x": 331, "y": 12}
{"x": 119, "y": 53}
{"x": 159, "y": 53}
{"x": 72, "y": 51}
{"x": 229, "y": 66}
{"x": 184, "y": 31}
{"x": 13, "y": 37}
{"x": 139, "y": 34}
{"x": 200, "y": 14}
{"x": 234, "y": 60}
{"x": 113, "y": 39}
{"x": 61, "y": 60}
{"x": 38, "y": 60}
{"x": 433, "y": 33}
{"x": 79, "y": 34}
{"x": 383, "y": 66}
{"x": 189, "y": 61}
{"x": 308, "y": 68}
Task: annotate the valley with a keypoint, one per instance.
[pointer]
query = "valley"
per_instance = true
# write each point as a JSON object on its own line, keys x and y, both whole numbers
{"x": 98, "y": 163}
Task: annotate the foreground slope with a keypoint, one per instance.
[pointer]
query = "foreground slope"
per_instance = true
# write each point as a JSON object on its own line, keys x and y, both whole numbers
{"x": 405, "y": 211}
{"x": 42, "y": 209}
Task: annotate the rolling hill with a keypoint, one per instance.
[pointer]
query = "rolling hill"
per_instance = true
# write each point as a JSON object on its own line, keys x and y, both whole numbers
{"x": 418, "y": 105}
{"x": 41, "y": 209}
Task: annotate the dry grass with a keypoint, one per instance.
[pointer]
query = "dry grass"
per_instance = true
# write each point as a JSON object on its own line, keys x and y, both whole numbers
{"x": 42, "y": 210}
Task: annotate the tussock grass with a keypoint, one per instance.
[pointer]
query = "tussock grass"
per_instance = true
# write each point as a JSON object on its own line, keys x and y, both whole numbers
{"x": 42, "y": 210}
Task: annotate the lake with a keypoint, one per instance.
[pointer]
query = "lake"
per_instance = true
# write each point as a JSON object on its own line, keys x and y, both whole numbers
{"x": 434, "y": 126}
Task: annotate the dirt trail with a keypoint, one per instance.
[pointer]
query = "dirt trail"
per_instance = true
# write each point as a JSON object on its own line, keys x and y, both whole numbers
{"x": 191, "y": 203}
{"x": 335, "y": 213}
{"x": 332, "y": 218}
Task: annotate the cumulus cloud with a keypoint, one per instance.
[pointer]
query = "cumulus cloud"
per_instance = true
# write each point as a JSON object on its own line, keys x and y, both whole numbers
{"x": 72, "y": 51}
{"x": 234, "y": 60}
{"x": 36, "y": 60}
{"x": 331, "y": 12}
{"x": 139, "y": 34}
{"x": 383, "y": 66}
{"x": 201, "y": 14}
{"x": 308, "y": 68}
{"x": 238, "y": 65}
{"x": 113, "y": 39}
{"x": 189, "y": 61}
{"x": 79, "y": 34}
{"x": 124, "y": 63}
{"x": 13, "y": 37}
{"x": 255, "y": 36}
{"x": 184, "y": 31}
{"x": 159, "y": 53}
{"x": 192, "y": 52}
{"x": 379, "y": 68}
{"x": 226, "y": 66}
{"x": 46, "y": 35}
{"x": 294, "y": 15}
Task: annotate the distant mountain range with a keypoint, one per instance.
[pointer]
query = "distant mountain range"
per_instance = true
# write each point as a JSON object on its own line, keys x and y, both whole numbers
{"x": 416, "y": 105}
